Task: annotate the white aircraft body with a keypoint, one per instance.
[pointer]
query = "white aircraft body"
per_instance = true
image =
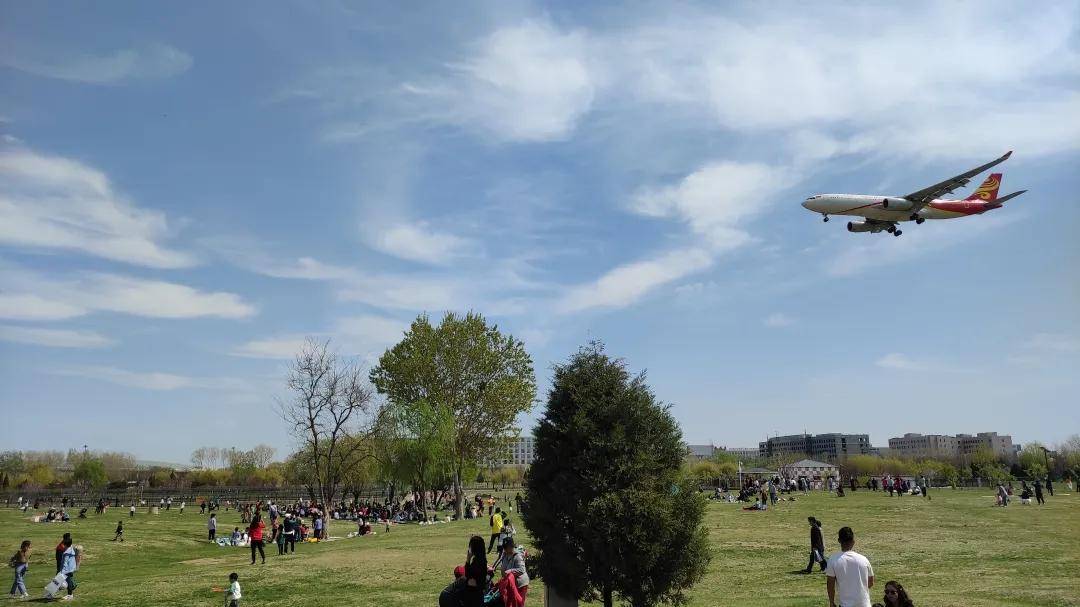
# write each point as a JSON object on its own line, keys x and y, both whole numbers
{"x": 882, "y": 213}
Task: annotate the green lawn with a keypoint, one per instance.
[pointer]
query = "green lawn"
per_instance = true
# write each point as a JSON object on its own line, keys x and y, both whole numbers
{"x": 954, "y": 550}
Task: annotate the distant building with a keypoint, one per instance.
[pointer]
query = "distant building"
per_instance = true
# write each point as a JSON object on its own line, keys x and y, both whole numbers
{"x": 831, "y": 445}
{"x": 941, "y": 446}
{"x": 944, "y": 446}
{"x": 519, "y": 453}
{"x": 700, "y": 452}
{"x": 743, "y": 453}
{"x": 809, "y": 469}
{"x": 1001, "y": 445}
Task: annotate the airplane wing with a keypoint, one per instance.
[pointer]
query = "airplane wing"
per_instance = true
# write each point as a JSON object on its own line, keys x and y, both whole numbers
{"x": 925, "y": 196}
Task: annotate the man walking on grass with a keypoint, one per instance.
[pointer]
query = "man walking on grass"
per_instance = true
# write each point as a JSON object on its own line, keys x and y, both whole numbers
{"x": 849, "y": 576}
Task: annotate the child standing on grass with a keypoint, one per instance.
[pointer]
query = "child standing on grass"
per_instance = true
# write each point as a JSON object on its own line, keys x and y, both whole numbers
{"x": 232, "y": 596}
{"x": 119, "y": 531}
{"x": 211, "y": 527}
{"x": 21, "y": 562}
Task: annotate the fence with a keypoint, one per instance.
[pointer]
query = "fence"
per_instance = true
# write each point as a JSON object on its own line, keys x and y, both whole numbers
{"x": 193, "y": 495}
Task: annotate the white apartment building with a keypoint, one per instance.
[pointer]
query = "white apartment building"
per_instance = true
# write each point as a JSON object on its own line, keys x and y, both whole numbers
{"x": 924, "y": 445}
{"x": 946, "y": 447}
{"x": 519, "y": 453}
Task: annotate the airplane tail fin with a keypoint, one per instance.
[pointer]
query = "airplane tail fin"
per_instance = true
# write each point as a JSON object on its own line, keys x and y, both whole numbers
{"x": 997, "y": 202}
{"x": 987, "y": 192}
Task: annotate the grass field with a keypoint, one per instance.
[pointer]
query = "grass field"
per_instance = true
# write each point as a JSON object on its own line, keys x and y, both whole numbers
{"x": 954, "y": 550}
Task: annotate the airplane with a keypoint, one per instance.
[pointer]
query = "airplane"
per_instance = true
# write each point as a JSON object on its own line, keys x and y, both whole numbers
{"x": 883, "y": 213}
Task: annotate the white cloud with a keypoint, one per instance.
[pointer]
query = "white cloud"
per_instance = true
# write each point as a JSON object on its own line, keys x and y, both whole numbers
{"x": 370, "y": 332}
{"x": 717, "y": 198}
{"x": 778, "y": 320}
{"x": 909, "y": 82}
{"x": 154, "y": 380}
{"x": 151, "y": 61}
{"x": 897, "y": 360}
{"x": 365, "y": 335}
{"x": 284, "y": 347}
{"x": 98, "y": 292}
{"x": 529, "y": 82}
{"x": 714, "y": 201}
{"x": 628, "y": 283}
{"x": 418, "y": 242}
{"x": 26, "y": 306}
{"x": 1058, "y": 343}
{"x": 49, "y": 202}
{"x": 160, "y": 299}
{"x": 55, "y": 338}
{"x": 902, "y": 362}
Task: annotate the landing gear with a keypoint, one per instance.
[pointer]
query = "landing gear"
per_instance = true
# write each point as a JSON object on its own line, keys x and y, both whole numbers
{"x": 920, "y": 220}
{"x": 897, "y": 233}
{"x": 825, "y": 218}
{"x": 914, "y": 217}
{"x": 891, "y": 229}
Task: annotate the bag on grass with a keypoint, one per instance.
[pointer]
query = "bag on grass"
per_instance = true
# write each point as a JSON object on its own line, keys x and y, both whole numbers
{"x": 56, "y": 586}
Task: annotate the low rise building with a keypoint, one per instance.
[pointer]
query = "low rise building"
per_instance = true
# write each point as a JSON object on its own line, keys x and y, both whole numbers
{"x": 700, "y": 452}
{"x": 810, "y": 470}
{"x": 743, "y": 453}
{"x": 944, "y": 446}
{"x": 831, "y": 445}
{"x": 941, "y": 446}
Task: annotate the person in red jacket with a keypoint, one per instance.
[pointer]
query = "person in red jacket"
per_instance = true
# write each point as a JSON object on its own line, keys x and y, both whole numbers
{"x": 255, "y": 532}
{"x": 60, "y": 548}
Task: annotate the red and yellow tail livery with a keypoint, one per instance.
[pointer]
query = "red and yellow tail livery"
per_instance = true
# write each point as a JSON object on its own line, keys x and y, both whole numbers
{"x": 988, "y": 191}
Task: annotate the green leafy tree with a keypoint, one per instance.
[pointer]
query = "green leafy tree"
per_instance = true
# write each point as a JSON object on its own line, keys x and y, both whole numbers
{"x": 420, "y": 447}
{"x": 12, "y": 463}
{"x": 608, "y": 505}
{"x": 90, "y": 473}
{"x": 483, "y": 378}
{"x": 1033, "y": 459}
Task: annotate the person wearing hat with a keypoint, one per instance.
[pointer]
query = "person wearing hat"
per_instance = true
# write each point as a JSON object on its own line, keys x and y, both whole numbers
{"x": 817, "y": 545}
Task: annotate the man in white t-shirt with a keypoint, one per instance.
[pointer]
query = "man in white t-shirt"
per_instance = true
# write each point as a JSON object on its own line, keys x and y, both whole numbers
{"x": 849, "y": 574}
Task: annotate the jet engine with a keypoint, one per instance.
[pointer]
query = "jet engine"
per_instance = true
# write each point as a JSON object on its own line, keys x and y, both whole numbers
{"x": 896, "y": 204}
{"x": 861, "y": 226}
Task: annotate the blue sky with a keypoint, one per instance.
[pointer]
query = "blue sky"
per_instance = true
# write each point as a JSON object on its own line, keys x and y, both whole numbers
{"x": 186, "y": 192}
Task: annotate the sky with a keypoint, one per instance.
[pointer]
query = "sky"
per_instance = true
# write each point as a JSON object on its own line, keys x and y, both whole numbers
{"x": 187, "y": 191}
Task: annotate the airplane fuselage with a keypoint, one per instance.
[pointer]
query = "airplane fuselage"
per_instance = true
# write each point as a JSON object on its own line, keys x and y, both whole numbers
{"x": 892, "y": 208}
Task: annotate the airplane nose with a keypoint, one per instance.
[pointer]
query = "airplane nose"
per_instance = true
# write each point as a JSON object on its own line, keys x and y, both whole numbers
{"x": 806, "y": 203}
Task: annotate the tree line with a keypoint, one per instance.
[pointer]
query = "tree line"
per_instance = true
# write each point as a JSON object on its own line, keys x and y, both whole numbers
{"x": 1033, "y": 461}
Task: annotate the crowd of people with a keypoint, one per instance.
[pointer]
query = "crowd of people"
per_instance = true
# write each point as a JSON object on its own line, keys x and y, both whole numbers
{"x": 504, "y": 580}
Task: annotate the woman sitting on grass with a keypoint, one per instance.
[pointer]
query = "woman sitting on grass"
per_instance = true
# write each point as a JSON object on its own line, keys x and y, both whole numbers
{"x": 895, "y": 596}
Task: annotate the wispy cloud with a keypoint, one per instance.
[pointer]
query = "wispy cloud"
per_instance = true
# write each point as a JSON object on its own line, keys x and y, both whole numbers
{"x": 54, "y": 338}
{"x": 154, "y": 380}
{"x": 152, "y": 61}
{"x": 419, "y": 242}
{"x": 628, "y": 283}
{"x": 896, "y": 360}
{"x": 50, "y": 202}
{"x": 87, "y": 292}
{"x": 778, "y": 320}
{"x": 27, "y": 306}
{"x": 903, "y": 362}
{"x": 363, "y": 335}
{"x": 524, "y": 82}
{"x": 1060, "y": 343}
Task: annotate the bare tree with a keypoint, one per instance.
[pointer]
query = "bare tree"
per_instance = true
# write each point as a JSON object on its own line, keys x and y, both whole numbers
{"x": 332, "y": 414}
{"x": 199, "y": 458}
{"x": 262, "y": 455}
